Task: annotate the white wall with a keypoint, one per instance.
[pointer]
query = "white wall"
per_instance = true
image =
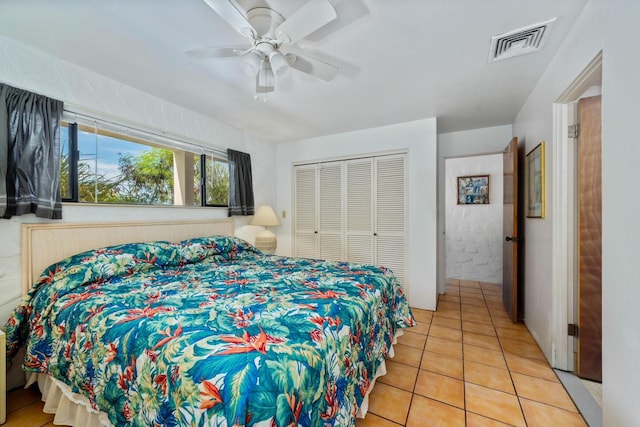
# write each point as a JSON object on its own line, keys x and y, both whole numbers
{"x": 620, "y": 207}
{"x": 418, "y": 139}
{"x": 474, "y": 232}
{"x": 30, "y": 69}
{"x": 534, "y": 124}
{"x": 456, "y": 144}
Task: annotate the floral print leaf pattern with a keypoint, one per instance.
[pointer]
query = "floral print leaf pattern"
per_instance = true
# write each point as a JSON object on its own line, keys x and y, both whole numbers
{"x": 210, "y": 331}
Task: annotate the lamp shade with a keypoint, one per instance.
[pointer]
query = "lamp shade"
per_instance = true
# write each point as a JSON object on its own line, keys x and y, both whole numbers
{"x": 265, "y": 216}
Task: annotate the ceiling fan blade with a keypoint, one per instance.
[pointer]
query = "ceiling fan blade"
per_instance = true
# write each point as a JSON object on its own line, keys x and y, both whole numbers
{"x": 216, "y": 52}
{"x": 312, "y": 66}
{"x": 231, "y": 13}
{"x": 307, "y": 19}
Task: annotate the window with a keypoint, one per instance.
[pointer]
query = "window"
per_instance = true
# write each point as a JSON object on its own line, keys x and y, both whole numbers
{"x": 118, "y": 167}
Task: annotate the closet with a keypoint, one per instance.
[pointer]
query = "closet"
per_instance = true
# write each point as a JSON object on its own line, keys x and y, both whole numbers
{"x": 352, "y": 210}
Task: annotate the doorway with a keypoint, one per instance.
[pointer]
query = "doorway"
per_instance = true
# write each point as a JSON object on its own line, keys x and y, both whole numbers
{"x": 571, "y": 188}
{"x": 473, "y": 232}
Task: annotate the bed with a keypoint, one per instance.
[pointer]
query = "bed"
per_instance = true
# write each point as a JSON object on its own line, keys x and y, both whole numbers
{"x": 203, "y": 331}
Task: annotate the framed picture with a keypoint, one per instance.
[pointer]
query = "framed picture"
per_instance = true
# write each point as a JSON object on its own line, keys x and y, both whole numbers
{"x": 535, "y": 182}
{"x": 473, "y": 190}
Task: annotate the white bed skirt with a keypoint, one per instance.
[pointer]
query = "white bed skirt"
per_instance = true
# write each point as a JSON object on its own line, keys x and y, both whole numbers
{"x": 74, "y": 409}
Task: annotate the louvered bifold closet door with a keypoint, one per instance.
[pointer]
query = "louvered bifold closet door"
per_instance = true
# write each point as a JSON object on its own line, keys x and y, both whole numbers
{"x": 330, "y": 210}
{"x": 305, "y": 222}
{"x": 390, "y": 211}
{"x": 359, "y": 212}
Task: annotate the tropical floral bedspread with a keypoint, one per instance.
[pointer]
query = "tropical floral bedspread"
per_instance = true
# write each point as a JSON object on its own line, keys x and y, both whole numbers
{"x": 210, "y": 332}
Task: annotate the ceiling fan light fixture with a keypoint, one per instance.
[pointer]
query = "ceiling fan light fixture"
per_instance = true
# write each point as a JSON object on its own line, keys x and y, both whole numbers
{"x": 265, "y": 81}
{"x": 252, "y": 63}
{"x": 279, "y": 63}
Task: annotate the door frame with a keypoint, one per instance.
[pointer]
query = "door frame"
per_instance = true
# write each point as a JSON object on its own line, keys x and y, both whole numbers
{"x": 563, "y": 216}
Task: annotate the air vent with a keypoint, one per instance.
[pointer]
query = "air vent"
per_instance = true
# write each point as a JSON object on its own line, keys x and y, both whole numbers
{"x": 521, "y": 41}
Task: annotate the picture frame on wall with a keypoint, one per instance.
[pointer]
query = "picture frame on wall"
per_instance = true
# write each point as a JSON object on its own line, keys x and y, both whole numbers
{"x": 473, "y": 190}
{"x": 535, "y": 182}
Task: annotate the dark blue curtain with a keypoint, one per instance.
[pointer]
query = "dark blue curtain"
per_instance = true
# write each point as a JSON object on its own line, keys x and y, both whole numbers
{"x": 29, "y": 154}
{"x": 240, "y": 183}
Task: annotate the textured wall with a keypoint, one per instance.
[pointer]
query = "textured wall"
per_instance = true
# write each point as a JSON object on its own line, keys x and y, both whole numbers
{"x": 474, "y": 232}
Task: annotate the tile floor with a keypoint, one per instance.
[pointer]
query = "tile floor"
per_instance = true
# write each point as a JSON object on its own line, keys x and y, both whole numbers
{"x": 467, "y": 364}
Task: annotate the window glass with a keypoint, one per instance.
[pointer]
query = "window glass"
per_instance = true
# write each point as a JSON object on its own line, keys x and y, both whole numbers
{"x": 217, "y": 181}
{"x": 127, "y": 166}
{"x": 65, "y": 181}
{"x": 112, "y": 169}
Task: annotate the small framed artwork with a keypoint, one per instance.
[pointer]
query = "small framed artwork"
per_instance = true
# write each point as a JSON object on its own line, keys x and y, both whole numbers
{"x": 473, "y": 190}
{"x": 535, "y": 182}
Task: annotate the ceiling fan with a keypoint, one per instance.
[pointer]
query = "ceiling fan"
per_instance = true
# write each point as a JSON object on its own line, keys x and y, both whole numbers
{"x": 269, "y": 31}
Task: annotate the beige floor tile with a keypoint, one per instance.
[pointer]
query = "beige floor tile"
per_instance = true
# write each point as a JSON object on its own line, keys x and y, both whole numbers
{"x": 507, "y": 323}
{"x": 23, "y": 397}
{"x": 469, "y": 283}
{"x": 408, "y": 355}
{"x": 475, "y": 301}
{"x": 446, "y": 305}
{"x": 446, "y": 322}
{"x": 522, "y": 349}
{"x": 420, "y": 328}
{"x": 475, "y": 309}
{"x": 478, "y": 328}
{"x": 452, "y": 290}
{"x": 446, "y": 333}
{"x": 412, "y": 339}
{"x": 478, "y": 318}
{"x": 449, "y": 298}
{"x": 515, "y": 334}
{"x": 543, "y": 391}
{"x": 422, "y": 315}
{"x": 493, "y": 298}
{"x": 430, "y": 413}
{"x": 480, "y": 340}
{"x": 494, "y": 304}
{"x": 451, "y": 314}
{"x": 471, "y": 292}
{"x": 30, "y": 415}
{"x": 441, "y": 388}
{"x": 488, "y": 376}
{"x": 475, "y": 420}
{"x": 390, "y": 403}
{"x": 531, "y": 367}
{"x": 484, "y": 356}
{"x": 498, "y": 313}
{"x": 442, "y": 364}
{"x": 372, "y": 420}
{"x": 540, "y": 415}
{"x": 399, "y": 375}
{"x": 450, "y": 348}
{"x": 494, "y": 404}
{"x": 455, "y": 282}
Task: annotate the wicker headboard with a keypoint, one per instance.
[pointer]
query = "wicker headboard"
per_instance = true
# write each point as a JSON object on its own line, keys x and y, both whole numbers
{"x": 45, "y": 244}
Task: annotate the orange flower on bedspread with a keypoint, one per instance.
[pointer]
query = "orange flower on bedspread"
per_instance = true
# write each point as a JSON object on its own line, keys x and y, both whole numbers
{"x": 248, "y": 343}
{"x": 148, "y": 312}
{"x": 210, "y": 395}
{"x": 326, "y": 294}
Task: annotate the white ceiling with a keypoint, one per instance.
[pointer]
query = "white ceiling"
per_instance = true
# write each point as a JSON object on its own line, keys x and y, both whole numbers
{"x": 399, "y": 60}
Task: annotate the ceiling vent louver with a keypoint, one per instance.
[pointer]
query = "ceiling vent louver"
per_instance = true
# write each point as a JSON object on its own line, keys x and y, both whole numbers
{"x": 521, "y": 41}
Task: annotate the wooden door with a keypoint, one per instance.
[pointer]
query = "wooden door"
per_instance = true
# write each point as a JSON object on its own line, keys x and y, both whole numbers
{"x": 510, "y": 229}
{"x": 590, "y": 239}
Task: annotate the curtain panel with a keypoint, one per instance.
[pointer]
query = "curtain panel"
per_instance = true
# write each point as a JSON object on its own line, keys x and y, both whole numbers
{"x": 29, "y": 154}
{"x": 240, "y": 183}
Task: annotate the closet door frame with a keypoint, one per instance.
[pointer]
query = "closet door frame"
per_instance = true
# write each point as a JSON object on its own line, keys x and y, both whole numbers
{"x": 345, "y": 159}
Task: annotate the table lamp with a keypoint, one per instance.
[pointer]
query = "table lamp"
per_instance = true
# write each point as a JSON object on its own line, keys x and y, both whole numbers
{"x": 265, "y": 216}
